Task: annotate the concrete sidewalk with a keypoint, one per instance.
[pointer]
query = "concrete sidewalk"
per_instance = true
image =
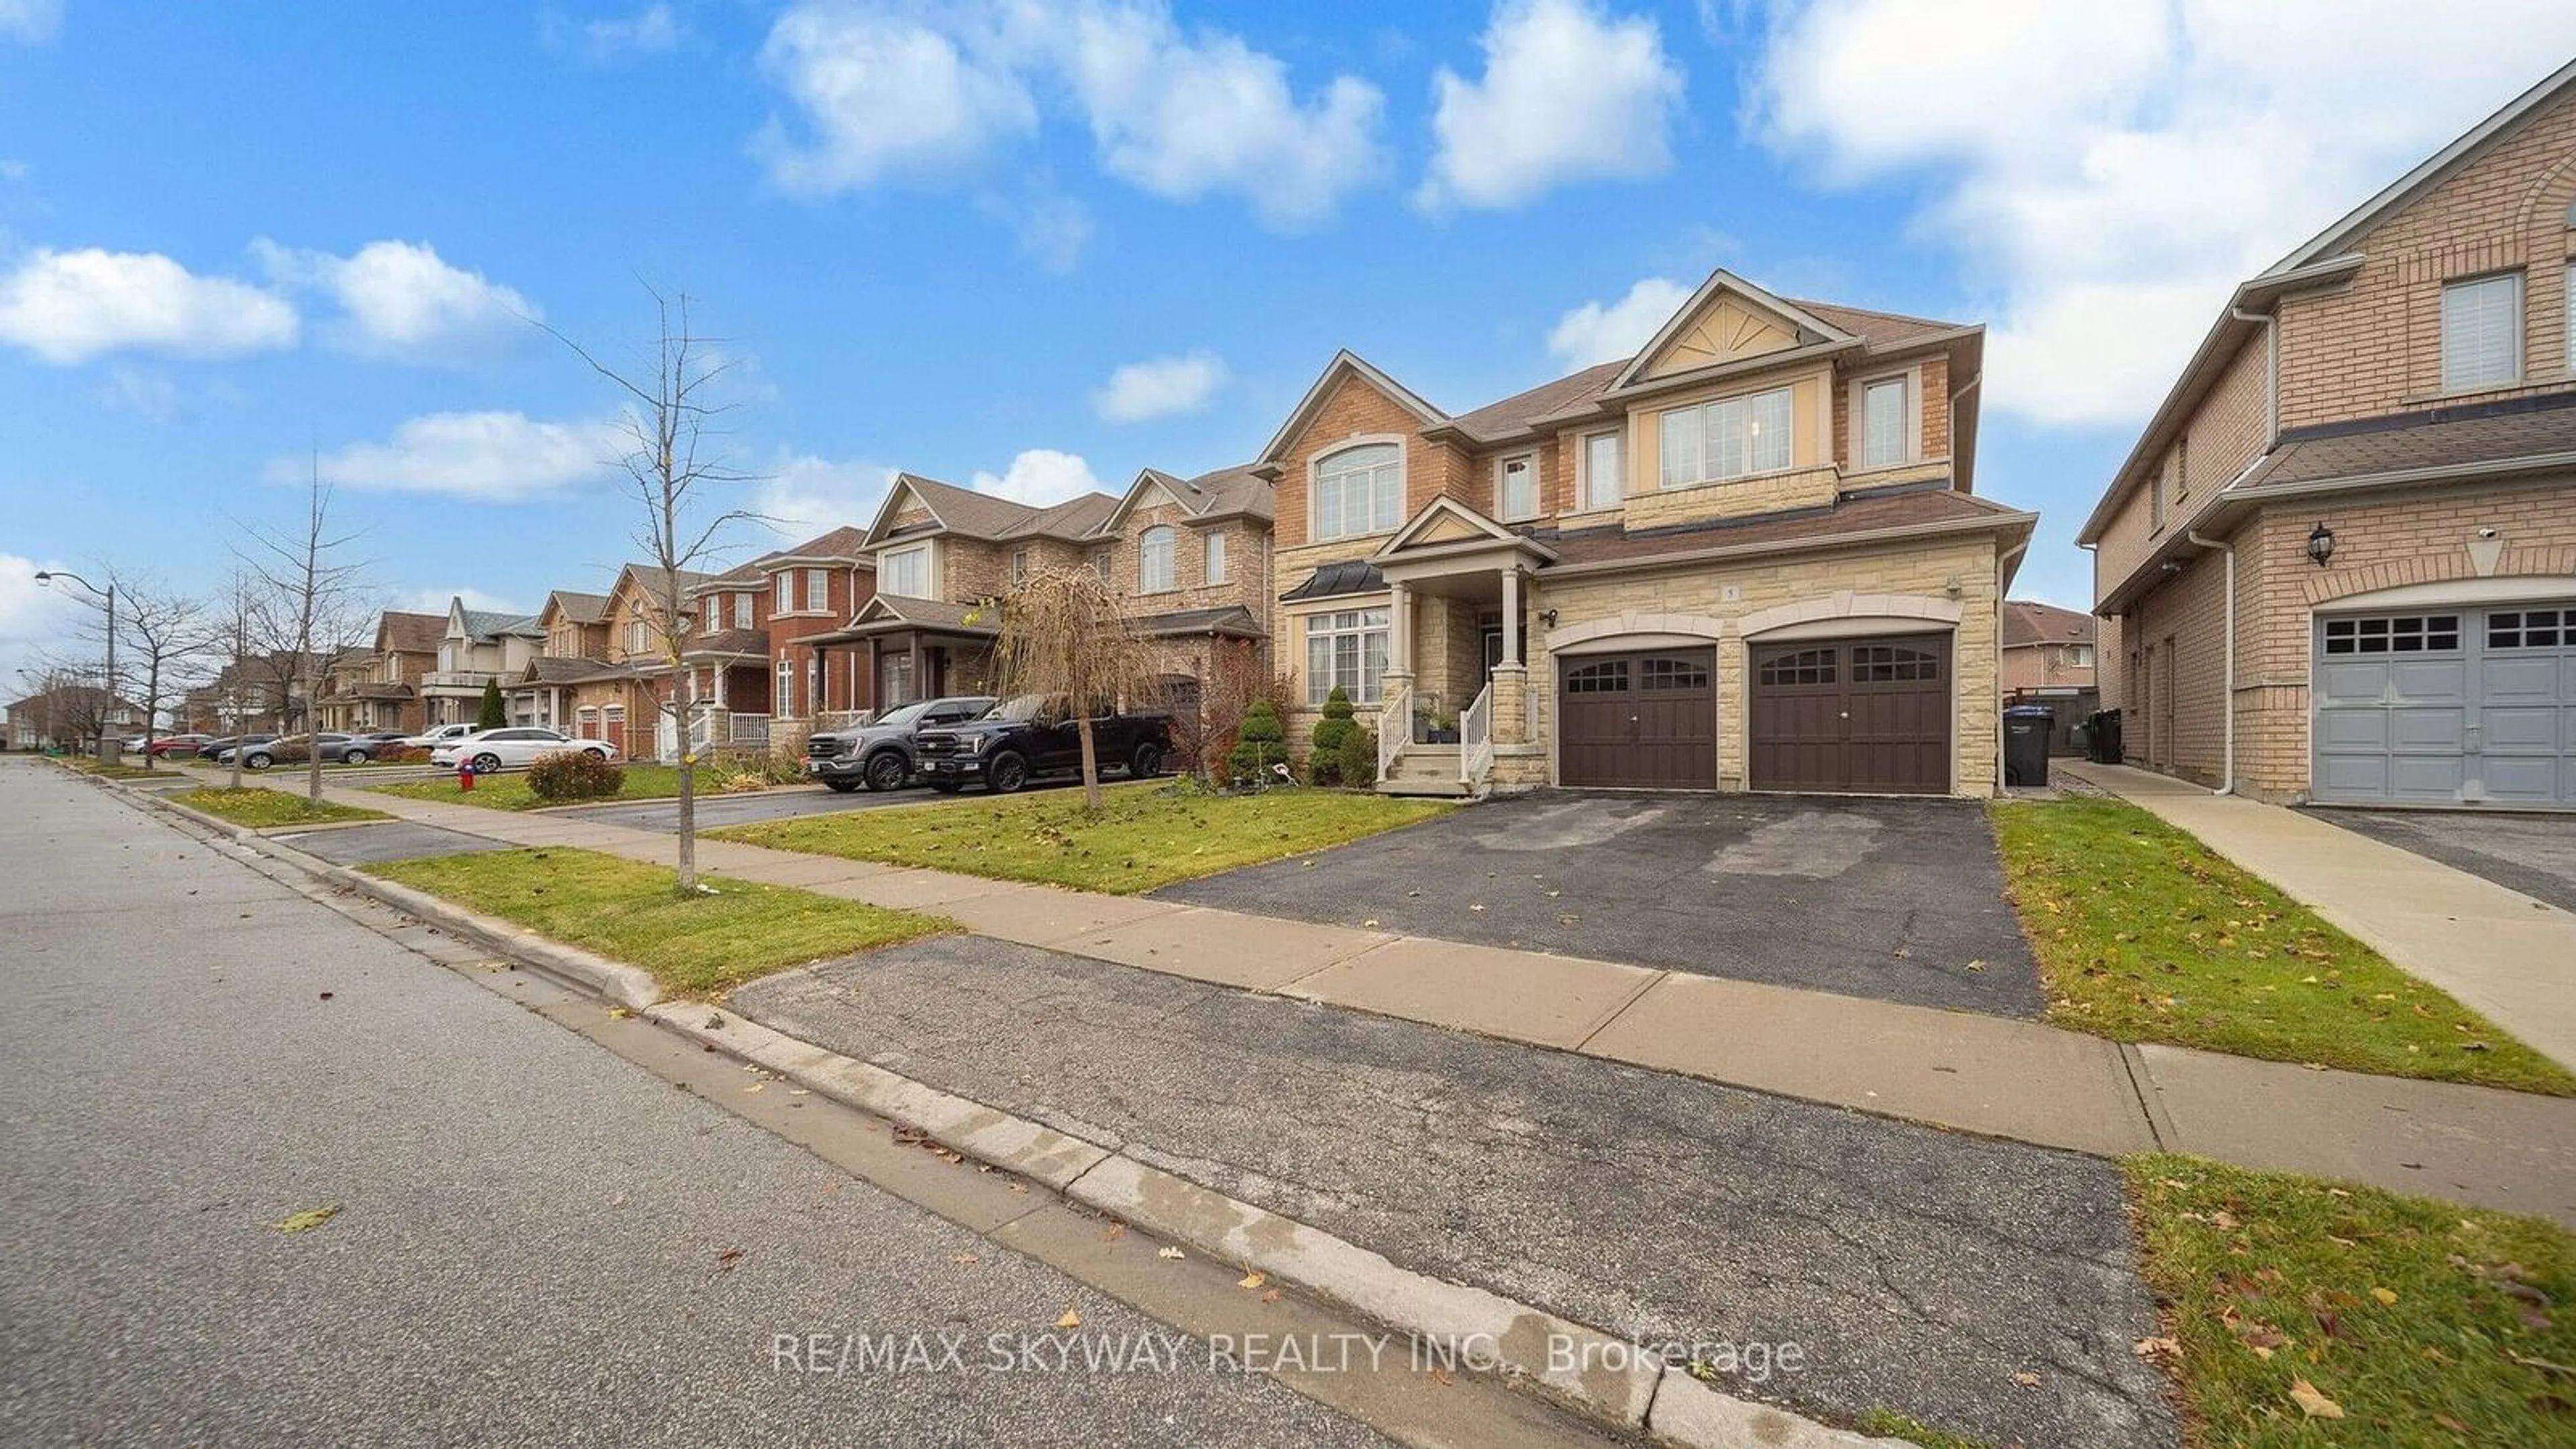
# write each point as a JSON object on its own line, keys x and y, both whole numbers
{"x": 1991, "y": 1076}
{"x": 2503, "y": 953}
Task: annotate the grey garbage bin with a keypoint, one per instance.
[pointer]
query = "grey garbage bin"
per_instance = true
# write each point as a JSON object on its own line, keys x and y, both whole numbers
{"x": 2026, "y": 731}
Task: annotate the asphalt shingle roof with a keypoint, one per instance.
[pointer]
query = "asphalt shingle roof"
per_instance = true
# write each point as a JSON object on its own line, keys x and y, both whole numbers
{"x": 2436, "y": 442}
{"x": 2028, "y": 621}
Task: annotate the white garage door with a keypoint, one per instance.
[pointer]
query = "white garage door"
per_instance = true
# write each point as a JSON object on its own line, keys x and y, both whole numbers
{"x": 2447, "y": 706}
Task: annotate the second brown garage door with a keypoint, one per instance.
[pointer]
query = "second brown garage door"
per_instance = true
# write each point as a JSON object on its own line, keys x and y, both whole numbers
{"x": 1638, "y": 721}
{"x": 1859, "y": 715}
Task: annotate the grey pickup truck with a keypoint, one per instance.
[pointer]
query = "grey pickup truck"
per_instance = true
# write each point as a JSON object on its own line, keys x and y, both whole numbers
{"x": 1033, "y": 737}
{"x": 879, "y": 754}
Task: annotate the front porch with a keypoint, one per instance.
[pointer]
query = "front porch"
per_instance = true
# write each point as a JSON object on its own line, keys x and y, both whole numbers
{"x": 907, "y": 650}
{"x": 1456, "y": 714}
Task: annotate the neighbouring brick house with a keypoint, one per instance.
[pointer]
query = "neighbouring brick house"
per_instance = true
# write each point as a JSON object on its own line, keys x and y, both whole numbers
{"x": 262, "y": 692}
{"x": 619, "y": 699}
{"x": 575, "y": 626}
{"x": 1747, "y": 557}
{"x": 816, "y": 587}
{"x": 2340, "y": 562}
{"x": 67, "y": 716}
{"x": 1190, "y": 560}
{"x": 378, "y": 687}
{"x": 2048, "y": 658}
{"x": 478, "y": 648}
{"x": 943, "y": 557}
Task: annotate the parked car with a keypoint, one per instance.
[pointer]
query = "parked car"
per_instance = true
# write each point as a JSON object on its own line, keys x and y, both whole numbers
{"x": 383, "y": 737}
{"x": 440, "y": 735}
{"x": 178, "y": 745}
{"x": 335, "y": 749}
{"x": 879, "y": 754}
{"x": 213, "y": 748}
{"x": 1034, "y": 737}
{"x": 513, "y": 748}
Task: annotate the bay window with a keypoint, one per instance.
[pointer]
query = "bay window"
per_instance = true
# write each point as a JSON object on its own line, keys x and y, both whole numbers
{"x": 1734, "y": 437}
{"x": 1345, "y": 649}
{"x": 1358, "y": 491}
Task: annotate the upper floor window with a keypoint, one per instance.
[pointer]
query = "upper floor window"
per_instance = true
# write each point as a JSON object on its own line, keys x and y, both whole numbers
{"x": 2080, "y": 656}
{"x": 818, "y": 589}
{"x": 2570, "y": 293}
{"x": 1732, "y": 438}
{"x": 1604, "y": 461}
{"x": 905, "y": 573}
{"x": 1154, "y": 560}
{"x": 639, "y": 636}
{"x": 1359, "y": 490}
{"x": 446, "y": 657}
{"x": 782, "y": 599}
{"x": 1215, "y": 549}
{"x": 1516, "y": 489}
{"x": 2482, "y": 332}
{"x": 1019, "y": 567}
{"x": 1882, "y": 423}
{"x": 742, "y": 610}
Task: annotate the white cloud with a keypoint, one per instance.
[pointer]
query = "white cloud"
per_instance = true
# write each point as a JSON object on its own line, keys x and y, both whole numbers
{"x": 1160, "y": 387}
{"x": 2108, "y": 173}
{"x": 435, "y": 601}
{"x": 1040, "y": 477}
{"x": 32, "y": 22}
{"x": 1569, "y": 92}
{"x": 885, "y": 96}
{"x": 653, "y": 30}
{"x": 1181, "y": 115}
{"x": 805, "y": 495}
{"x": 1185, "y": 116}
{"x": 1595, "y": 333}
{"x": 68, "y": 307}
{"x": 400, "y": 299}
{"x": 491, "y": 457}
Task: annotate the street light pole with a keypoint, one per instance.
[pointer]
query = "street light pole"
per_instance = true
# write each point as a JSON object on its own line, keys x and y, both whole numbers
{"x": 109, "y": 700}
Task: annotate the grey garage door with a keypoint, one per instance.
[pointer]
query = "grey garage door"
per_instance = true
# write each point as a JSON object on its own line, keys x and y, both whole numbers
{"x": 2447, "y": 706}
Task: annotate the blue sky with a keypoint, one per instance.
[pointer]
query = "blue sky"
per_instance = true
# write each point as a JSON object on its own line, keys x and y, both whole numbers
{"x": 239, "y": 240}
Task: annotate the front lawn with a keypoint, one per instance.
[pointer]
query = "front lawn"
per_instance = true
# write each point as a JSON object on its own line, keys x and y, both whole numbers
{"x": 1142, "y": 839}
{"x": 2304, "y": 1312}
{"x": 510, "y": 791}
{"x": 262, "y": 809}
{"x": 627, "y": 912}
{"x": 2143, "y": 934}
{"x": 89, "y": 765}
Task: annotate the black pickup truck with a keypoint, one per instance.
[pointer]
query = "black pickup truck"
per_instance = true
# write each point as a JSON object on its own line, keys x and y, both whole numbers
{"x": 1034, "y": 738}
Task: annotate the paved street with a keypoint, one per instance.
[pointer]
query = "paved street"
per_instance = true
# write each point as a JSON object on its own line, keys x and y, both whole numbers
{"x": 536, "y": 1241}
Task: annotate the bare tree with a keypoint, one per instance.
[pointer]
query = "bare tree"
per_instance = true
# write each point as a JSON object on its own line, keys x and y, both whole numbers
{"x": 316, "y": 604}
{"x": 673, "y": 461}
{"x": 166, "y": 637}
{"x": 1063, "y": 637}
{"x": 242, "y": 615}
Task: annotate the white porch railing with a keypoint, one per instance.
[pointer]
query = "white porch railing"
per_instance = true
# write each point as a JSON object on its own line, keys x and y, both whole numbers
{"x": 1476, "y": 739}
{"x": 1394, "y": 728}
{"x": 748, "y": 729}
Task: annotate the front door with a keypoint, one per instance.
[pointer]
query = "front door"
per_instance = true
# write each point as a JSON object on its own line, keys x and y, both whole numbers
{"x": 1638, "y": 721}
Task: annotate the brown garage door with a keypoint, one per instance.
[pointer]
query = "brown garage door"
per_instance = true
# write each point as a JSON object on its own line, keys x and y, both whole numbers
{"x": 1863, "y": 715}
{"x": 1638, "y": 721}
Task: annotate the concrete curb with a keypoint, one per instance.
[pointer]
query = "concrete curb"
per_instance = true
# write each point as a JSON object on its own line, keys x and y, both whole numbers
{"x": 1595, "y": 1372}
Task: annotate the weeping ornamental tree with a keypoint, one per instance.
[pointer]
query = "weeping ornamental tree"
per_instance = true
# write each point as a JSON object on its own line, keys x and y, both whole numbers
{"x": 1063, "y": 637}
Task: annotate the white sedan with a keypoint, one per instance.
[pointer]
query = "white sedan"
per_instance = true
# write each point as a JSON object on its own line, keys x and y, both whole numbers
{"x": 511, "y": 749}
{"x": 446, "y": 734}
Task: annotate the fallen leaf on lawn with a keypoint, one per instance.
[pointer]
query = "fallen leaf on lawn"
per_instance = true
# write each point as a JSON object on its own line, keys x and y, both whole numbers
{"x": 2223, "y": 1220}
{"x": 2387, "y": 1297}
{"x": 2152, "y": 1347}
{"x": 2539, "y": 1363}
{"x": 1169, "y": 1253}
{"x": 1071, "y": 1319}
{"x": 1976, "y": 965}
{"x": 2447, "y": 1422}
{"x": 2311, "y": 1403}
{"x": 307, "y": 1220}
{"x": 1251, "y": 1280}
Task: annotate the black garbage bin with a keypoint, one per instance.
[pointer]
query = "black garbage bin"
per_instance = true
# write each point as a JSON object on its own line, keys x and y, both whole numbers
{"x": 2104, "y": 746}
{"x": 2026, "y": 731}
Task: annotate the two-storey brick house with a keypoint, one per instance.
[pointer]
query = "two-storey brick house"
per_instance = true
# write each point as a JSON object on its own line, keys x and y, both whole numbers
{"x": 2340, "y": 562}
{"x": 815, "y": 587}
{"x": 575, "y": 626}
{"x": 943, "y": 558}
{"x": 619, "y": 699}
{"x": 1747, "y": 557}
{"x": 1190, "y": 561}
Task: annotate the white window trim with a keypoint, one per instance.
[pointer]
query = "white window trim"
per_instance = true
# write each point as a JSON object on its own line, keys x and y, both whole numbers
{"x": 1171, "y": 560}
{"x": 1212, "y": 560}
{"x": 1583, "y": 489}
{"x": 1858, "y": 411}
{"x": 1502, "y": 505}
{"x": 818, "y": 591}
{"x": 1019, "y": 567}
{"x": 2519, "y": 371}
{"x": 1315, "y": 478}
{"x": 743, "y": 610}
{"x": 782, "y": 595}
{"x": 1361, "y": 604}
{"x": 929, "y": 570}
{"x": 1787, "y": 390}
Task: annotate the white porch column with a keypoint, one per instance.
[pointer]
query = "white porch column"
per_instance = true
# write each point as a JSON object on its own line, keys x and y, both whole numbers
{"x": 1512, "y": 617}
{"x": 722, "y": 670}
{"x": 1399, "y": 651}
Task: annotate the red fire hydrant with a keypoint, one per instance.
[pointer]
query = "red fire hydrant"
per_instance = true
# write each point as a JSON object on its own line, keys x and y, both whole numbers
{"x": 464, "y": 774}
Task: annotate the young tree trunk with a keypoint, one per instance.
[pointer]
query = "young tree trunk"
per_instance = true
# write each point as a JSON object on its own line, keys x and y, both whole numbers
{"x": 688, "y": 870}
{"x": 1090, "y": 761}
{"x": 312, "y": 735}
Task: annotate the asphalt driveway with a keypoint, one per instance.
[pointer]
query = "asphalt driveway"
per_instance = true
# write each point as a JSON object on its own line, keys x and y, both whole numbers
{"x": 2531, "y": 853}
{"x": 1901, "y": 900}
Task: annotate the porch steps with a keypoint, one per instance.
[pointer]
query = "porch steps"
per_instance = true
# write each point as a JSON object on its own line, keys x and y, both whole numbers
{"x": 1425, "y": 770}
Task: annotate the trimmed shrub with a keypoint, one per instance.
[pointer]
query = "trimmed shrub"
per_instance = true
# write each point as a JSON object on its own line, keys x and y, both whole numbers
{"x": 574, "y": 775}
{"x": 1259, "y": 744}
{"x": 1330, "y": 731}
{"x": 1355, "y": 762}
{"x": 761, "y": 768}
{"x": 402, "y": 755}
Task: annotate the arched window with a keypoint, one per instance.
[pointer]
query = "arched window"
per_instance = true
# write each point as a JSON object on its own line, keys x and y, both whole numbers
{"x": 1358, "y": 490}
{"x": 1154, "y": 560}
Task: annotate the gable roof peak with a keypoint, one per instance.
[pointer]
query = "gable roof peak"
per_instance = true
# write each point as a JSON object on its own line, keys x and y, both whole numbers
{"x": 1347, "y": 364}
{"x": 1721, "y": 281}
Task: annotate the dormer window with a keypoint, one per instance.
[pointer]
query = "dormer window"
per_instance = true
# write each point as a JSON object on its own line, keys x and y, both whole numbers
{"x": 1358, "y": 491}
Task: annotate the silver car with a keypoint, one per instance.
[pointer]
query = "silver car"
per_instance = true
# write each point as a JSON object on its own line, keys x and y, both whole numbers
{"x": 514, "y": 748}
